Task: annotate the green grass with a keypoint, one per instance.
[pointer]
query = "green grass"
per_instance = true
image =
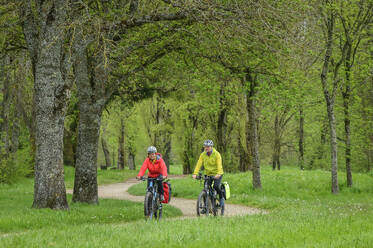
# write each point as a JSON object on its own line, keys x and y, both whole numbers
{"x": 103, "y": 176}
{"x": 17, "y": 216}
{"x": 302, "y": 213}
{"x": 176, "y": 169}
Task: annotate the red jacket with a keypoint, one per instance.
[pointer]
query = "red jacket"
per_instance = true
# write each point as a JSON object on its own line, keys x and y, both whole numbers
{"x": 155, "y": 168}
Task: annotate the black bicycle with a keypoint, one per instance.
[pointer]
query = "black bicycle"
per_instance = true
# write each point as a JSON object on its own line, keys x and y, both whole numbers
{"x": 207, "y": 202}
{"x": 152, "y": 202}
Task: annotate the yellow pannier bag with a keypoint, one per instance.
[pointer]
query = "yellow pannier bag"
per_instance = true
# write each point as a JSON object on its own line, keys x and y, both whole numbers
{"x": 226, "y": 190}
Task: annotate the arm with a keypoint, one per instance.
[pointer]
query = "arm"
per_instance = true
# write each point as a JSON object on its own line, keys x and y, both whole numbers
{"x": 198, "y": 166}
{"x": 220, "y": 166}
{"x": 163, "y": 168}
{"x": 142, "y": 169}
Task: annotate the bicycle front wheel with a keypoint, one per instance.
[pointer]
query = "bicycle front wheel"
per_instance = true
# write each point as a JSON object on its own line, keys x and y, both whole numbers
{"x": 148, "y": 205}
{"x": 203, "y": 206}
{"x": 158, "y": 210}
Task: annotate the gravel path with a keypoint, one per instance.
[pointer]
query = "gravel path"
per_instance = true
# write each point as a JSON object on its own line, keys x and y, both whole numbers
{"x": 187, "y": 206}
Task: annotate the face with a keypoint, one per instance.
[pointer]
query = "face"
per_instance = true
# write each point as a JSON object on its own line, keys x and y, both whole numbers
{"x": 152, "y": 156}
{"x": 208, "y": 148}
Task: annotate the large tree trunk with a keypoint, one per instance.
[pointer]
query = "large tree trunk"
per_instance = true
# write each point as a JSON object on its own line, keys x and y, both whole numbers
{"x": 89, "y": 79}
{"x": 251, "y": 109}
{"x": 301, "y": 138}
{"x": 85, "y": 185}
{"x": 50, "y": 98}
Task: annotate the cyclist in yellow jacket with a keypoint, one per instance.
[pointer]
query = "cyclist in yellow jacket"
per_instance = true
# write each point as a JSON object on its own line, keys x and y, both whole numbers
{"x": 211, "y": 160}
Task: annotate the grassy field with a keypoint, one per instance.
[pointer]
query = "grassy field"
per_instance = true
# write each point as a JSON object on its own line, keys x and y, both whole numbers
{"x": 18, "y": 219}
{"x": 302, "y": 213}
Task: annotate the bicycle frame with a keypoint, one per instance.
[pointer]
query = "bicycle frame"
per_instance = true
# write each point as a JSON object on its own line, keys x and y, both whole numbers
{"x": 153, "y": 188}
{"x": 211, "y": 192}
{"x": 156, "y": 203}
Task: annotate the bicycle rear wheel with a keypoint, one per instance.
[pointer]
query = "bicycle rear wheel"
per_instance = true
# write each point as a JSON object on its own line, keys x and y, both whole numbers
{"x": 148, "y": 205}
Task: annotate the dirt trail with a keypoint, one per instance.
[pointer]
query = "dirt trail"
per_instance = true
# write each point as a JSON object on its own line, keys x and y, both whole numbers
{"x": 187, "y": 206}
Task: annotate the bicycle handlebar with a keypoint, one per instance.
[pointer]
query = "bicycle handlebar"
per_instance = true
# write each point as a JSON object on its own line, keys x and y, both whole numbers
{"x": 199, "y": 177}
{"x": 152, "y": 178}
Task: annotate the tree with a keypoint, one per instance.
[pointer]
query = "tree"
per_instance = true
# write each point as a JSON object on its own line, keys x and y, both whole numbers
{"x": 96, "y": 66}
{"x": 44, "y": 27}
{"x": 329, "y": 15}
{"x": 355, "y": 18}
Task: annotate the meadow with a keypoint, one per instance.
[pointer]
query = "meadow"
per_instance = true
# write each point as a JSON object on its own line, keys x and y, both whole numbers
{"x": 301, "y": 213}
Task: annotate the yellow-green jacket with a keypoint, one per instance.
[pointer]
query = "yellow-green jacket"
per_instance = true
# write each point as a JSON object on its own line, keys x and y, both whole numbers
{"x": 211, "y": 163}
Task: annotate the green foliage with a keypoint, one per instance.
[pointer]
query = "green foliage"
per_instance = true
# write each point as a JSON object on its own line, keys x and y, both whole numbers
{"x": 15, "y": 166}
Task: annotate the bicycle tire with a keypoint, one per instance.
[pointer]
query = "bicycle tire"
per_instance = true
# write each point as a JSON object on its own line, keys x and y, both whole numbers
{"x": 148, "y": 205}
{"x": 202, "y": 204}
{"x": 216, "y": 209}
{"x": 158, "y": 210}
{"x": 214, "y": 206}
{"x": 222, "y": 208}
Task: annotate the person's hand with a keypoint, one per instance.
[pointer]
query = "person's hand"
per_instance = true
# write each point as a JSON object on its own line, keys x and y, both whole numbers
{"x": 137, "y": 177}
{"x": 194, "y": 176}
{"x": 217, "y": 176}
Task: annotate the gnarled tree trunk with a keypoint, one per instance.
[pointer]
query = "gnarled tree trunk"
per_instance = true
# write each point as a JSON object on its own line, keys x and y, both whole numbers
{"x": 90, "y": 78}
{"x": 45, "y": 36}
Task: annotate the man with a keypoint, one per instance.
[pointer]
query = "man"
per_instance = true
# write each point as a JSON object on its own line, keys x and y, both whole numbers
{"x": 211, "y": 160}
{"x": 156, "y": 166}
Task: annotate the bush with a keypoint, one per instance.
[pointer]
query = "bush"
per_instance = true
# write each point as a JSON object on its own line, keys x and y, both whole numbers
{"x": 15, "y": 166}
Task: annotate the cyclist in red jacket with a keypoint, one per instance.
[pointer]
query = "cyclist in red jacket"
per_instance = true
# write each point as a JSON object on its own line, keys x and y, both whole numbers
{"x": 156, "y": 167}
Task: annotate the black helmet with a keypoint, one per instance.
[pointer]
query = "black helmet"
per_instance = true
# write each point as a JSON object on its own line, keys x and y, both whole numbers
{"x": 152, "y": 149}
{"x": 208, "y": 143}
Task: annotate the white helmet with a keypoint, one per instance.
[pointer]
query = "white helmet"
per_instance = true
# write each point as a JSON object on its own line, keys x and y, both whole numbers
{"x": 208, "y": 143}
{"x": 152, "y": 149}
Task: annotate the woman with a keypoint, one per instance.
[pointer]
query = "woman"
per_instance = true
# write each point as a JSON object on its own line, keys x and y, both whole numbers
{"x": 156, "y": 167}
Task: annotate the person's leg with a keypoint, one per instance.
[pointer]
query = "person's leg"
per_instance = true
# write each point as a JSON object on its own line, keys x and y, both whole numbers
{"x": 160, "y": 189}
{"x": 217, "y": 183}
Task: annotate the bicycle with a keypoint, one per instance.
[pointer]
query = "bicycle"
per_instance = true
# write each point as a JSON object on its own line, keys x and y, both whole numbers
{"x": 208, "y": 202}
{"x": 152, "y": 201}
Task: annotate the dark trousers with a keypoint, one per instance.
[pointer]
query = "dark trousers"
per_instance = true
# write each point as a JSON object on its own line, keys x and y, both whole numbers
{"x": 217, "y": 183}
{"x": 160, "y": 186}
